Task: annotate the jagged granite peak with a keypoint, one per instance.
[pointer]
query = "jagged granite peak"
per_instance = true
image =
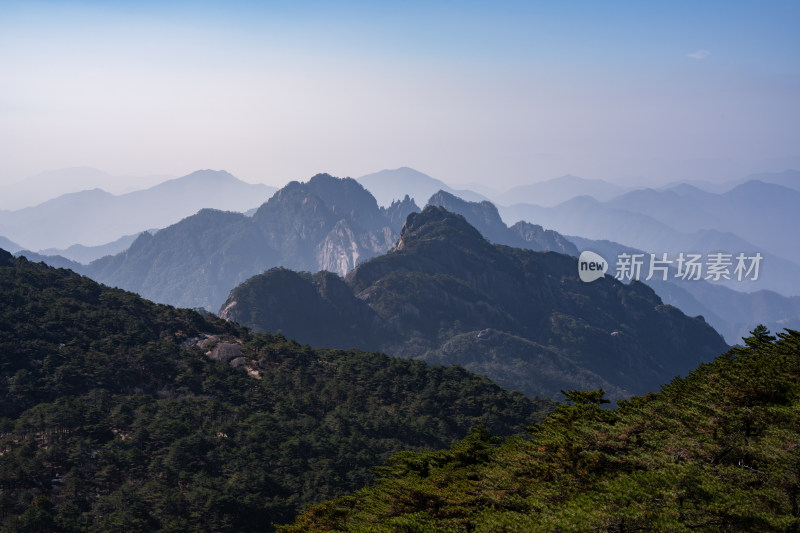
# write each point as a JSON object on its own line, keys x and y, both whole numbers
{"x": 444, "y": 284}
{"x": 399, "y": 210}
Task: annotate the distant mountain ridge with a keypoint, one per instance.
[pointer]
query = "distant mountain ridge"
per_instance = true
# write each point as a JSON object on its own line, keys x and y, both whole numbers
{"x": 95, "y": 217}
{"x": 630, "y": 220}
{"x": 557, "y": 190}
{"x": 756, "y": 211}
{"x": 388, "y": 186}
{"x": 448, "y": 296}
{"x": 50, "y": 184}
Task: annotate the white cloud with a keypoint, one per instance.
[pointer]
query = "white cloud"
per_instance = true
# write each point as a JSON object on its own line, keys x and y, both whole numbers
{"x": 700, "y": 54}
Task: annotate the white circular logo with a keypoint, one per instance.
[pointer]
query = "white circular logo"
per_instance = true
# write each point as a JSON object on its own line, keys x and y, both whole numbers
{"x": 591, "y": 266}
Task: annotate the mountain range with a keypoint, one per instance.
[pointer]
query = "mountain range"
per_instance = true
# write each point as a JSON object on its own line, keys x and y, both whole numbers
{"x": 755, "y": 211}
{"x": 47, "y": 185}
{"x": 446, "y": 295}
{"x": 628, "y": 220}
{"x": 731, "y": 313}
{"x": 558, "y": 190}
{"x": 95, "y": 217}
{"x": 197, "y": 261}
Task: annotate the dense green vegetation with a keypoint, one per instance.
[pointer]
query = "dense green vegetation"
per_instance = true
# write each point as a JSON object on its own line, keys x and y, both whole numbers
{"x": 716, "y": 451}
{"x": 114, "y": 417}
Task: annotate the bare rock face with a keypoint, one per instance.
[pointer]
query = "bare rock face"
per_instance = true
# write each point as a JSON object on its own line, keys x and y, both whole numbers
{"x": 343, "y": 249}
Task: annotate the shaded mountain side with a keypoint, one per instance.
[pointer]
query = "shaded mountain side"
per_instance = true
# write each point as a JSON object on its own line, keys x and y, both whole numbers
{"x": 486, "y": 219}
{"x": 96, "y": 217}
{"x": 716, "y": 451}
{"x": 119, "y": 414}
{"x": 197, "y": 261}
{"x": 443, "y": 284}
{"x": 321, "y": 309}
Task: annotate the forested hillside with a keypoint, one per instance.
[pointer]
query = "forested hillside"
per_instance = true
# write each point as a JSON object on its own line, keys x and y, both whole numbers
{"x": 717, "y": 451}
{"x": 118, "y": 414}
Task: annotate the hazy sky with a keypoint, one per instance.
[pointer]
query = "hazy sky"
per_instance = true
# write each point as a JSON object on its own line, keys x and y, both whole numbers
{"x": 499, "y": 93}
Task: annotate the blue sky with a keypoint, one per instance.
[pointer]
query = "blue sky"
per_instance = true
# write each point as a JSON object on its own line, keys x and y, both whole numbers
{"x": 499, "y": 93}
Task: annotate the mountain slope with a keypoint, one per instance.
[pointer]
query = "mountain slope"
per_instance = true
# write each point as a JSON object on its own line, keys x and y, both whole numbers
{"x": 122, "y": 415}
{"x": 444, "y": 284}
{"x": 717, "y": 451}
{"x": 95, "y": 217}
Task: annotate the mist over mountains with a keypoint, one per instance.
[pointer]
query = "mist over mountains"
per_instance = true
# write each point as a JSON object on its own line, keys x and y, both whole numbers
{"x": 96, "y": 217}
{"x": 197, "y": 261}
{"x": 331, "y": 224}
{"x": 50, "y": 184}
{"x": 686, "y": 219}
{"x": 390, "y": 185}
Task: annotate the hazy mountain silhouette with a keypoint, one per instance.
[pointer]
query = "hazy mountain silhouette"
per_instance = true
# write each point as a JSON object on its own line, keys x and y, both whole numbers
{"x": 96, "y": 217}
{"x": 558, "y": 190}
{"x": 390, "y": 185}
{"x": 87, "y": 254}
{"x": 757, "y": 212}
{"x": 53, "y": 183}
{"x": 634, "y": 227}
